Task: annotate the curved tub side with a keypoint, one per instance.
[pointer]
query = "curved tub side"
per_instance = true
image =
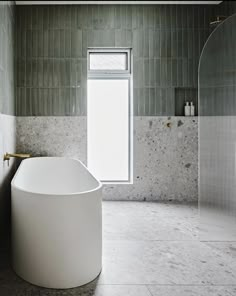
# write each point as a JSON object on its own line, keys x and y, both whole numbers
{"x": 57, "y": 242}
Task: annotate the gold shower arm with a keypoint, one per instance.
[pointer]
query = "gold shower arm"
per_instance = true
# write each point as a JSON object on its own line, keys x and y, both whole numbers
{"x": 7, "y": 156}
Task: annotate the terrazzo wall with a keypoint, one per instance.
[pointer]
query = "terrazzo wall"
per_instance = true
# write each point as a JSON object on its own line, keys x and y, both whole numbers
{"x": 165, "y": 158}
{"x": 7, "y": 119}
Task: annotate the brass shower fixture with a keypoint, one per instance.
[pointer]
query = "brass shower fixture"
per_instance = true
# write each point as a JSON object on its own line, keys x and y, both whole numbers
{"x": 217, "y": 20}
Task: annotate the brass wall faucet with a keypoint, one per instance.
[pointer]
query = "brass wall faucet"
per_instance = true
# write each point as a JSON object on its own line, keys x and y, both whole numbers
{"x": 7, "y": 156}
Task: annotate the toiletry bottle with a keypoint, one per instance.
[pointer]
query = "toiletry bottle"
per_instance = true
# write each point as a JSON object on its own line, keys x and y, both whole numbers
{"x": 187, "y": 109}
{"x": 192, "y": 109}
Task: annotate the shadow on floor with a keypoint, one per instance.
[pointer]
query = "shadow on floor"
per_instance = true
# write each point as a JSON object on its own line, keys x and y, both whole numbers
{"x": 12, "y": 285}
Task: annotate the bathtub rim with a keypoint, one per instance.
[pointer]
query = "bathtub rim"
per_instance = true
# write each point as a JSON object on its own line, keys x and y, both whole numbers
{"x": 74, "y": 194}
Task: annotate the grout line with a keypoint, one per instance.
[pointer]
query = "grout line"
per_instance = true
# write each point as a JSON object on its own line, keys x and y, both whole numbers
{"x": 171, "y": 285}
{"x": 147, "y": 240}
{"x": 192, "y": 285}
{"x": 164, "y": 240}
{"x": 217, "y": 241}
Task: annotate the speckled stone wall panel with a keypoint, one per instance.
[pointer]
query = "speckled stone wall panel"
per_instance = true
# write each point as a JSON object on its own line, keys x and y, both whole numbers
{"x": 165, "y": 158}
{"x": 53, "y": 136}
{"x": 165, "y": 161}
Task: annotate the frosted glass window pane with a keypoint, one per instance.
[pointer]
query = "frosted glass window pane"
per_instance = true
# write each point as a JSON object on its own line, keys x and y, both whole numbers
{"x": 108, "y": 129}
{"x": 108, "y": 61}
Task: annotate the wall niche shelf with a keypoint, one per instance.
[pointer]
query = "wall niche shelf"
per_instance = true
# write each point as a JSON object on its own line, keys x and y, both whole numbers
{"x": 183, "y": 95}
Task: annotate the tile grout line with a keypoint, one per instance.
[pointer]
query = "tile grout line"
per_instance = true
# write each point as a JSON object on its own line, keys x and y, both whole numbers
{"x": 170, "y": 285}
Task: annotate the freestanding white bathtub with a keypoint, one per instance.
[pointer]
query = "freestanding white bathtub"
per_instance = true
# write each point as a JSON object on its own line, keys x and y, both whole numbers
{"x": 56, "y": 223}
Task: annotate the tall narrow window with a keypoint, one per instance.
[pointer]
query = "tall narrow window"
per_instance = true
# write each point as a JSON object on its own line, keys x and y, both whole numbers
{"x": 109, "y": 115}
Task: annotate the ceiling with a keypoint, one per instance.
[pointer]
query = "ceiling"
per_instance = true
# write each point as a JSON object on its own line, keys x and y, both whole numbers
{"x": 114, "y": 2}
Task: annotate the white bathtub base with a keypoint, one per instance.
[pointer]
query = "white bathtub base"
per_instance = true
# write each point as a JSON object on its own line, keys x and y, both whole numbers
{"x": 56, "y": 240}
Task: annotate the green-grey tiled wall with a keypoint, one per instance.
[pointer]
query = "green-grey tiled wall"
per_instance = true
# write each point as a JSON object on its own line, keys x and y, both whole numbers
{"x": 52, "y": 44}
{"x": 226, "y": 8}
{"x": 7, "y": 57}
{"x": 217, "y": 68}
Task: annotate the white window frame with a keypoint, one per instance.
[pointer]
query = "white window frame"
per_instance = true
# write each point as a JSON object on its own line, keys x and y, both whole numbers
{"x": 108, "y": 72}
{"x": 117, "y": 74}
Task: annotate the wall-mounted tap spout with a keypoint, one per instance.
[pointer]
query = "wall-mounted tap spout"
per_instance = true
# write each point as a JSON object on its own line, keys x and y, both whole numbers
{"x": 7, "y": 156}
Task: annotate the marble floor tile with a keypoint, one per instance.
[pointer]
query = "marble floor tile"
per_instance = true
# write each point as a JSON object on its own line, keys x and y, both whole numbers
{"x": 192, "y": 290}
{"x": 150, "y": 228}
{"x": 165, "y": 263}
{"x": 149, "y": 221}
{"x": 223, "y": 249}
{"x": 160, "y": 209}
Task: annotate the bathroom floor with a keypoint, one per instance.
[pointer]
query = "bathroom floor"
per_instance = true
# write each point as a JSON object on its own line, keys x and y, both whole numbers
{"x": 149, "y": 249}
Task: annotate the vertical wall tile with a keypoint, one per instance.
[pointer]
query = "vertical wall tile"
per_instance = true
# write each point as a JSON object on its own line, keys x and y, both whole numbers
{"x": 146, "y": 73}
{"x": 157, "y": 72}
{"x": 83, "y": 102}
{"x": 46, "y": 15}
{"x": 57, "y": 12}
{"x": 35, "y": 45}
{"x": 28, "y": 65}
{"x": 34, "y": 18}
{"x": 40, "y": 73}
{"x": 151, "y": 73}
{"x": 152, "y": 102}
{"x": 157, "y": 48}
{"x": 76, "y": 43}
{"x": 68, "y": 43}
{"x": 21, "y": 44}
{"x": 34, "y": 73}
{"x": 56, "y": 73}
{"x": 174, "y": 73}
{"x": 34, "y": 99}
{"x": 45, "y": 43}
{"x": 158, "y": 107}
{"x": 28, "y": 102}
{"x": 50, "y": 73}
{"x": 56, "y": 43}
{"x": 62, "y": 43}
{"x": 29, "y": 43}
{"x": 135, "y": 100}
{"x": 82, "y": 16}
{"x": 45, "y": 73}
{"x": 138, "y": 43}
{"x": 166, "y": 42}
{"x": 21, "y": 72}
{"x": 41, "y": 102}
{"x": 163, "y": 101}
{"x": 141, "y": 102}
{"x": 50, "y": 43}
{"x": 62, "y": 72}
{"x": 67, "y": 78}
